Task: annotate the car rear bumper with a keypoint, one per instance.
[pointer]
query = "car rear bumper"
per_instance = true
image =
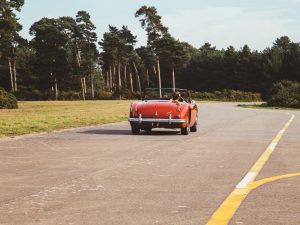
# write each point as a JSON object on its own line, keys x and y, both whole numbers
{"x": 156, "y": 120}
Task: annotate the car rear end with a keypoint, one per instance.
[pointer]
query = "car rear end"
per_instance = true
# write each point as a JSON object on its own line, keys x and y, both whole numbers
{"x": 157, "y": 114}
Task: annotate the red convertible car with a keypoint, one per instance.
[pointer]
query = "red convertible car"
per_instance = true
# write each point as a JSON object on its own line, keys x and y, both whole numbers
{"x": 159, "y": 109}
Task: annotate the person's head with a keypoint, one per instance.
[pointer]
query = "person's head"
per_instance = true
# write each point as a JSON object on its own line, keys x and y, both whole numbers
{"x": 176, "y": 95}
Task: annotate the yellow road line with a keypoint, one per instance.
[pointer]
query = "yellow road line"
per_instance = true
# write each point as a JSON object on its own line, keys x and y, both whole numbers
{"x": 224, "y": 213}
{"x": 258, "y": 183}
{"x": 265, "y": 156}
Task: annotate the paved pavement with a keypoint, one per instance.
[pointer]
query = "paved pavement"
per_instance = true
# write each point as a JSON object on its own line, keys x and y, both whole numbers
{"x": 104, "y": 175}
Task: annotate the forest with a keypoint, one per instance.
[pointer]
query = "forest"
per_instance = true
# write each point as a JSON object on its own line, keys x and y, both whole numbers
{"x": 66, "y": 59}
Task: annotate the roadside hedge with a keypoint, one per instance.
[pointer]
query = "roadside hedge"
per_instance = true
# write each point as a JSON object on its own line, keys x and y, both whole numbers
{"x": 285, "y": 93}
{"x": 228, "y": 95}
{"x": 7, "y": 100}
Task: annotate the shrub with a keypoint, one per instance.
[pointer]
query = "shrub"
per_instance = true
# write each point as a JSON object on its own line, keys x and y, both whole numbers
{"x": 285, "y": 94}
{"x": 70, "y": 95}
{"x": 204, "y": 95}
{"x": 136, "y": 95}
{"x": 240, "y": 96}
{"x": 32, "y": 95}
{"x": 126, "y": 94}
{"x": 228, "y": 95}
{"x": 7, "y": 100}
{"x": 104, "y": 95}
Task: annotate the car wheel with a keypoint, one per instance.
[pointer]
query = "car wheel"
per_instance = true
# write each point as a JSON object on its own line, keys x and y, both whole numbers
{"x": 186, "y": 130}
{"x": 148, "y": 130}
{"x": 194, "y": 128}
{"x": 135, "y": 130}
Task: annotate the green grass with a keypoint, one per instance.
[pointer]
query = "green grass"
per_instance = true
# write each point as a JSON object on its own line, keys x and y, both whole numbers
{"x": 265, "y": 106}
{"x": 32, "y": 117}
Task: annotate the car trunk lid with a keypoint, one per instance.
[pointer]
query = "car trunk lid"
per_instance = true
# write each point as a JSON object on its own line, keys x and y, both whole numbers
{"x": 158, "y": 109}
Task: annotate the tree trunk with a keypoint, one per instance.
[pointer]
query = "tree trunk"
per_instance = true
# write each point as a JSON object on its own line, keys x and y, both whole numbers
{"x": 110, "y": 78}
{"x": 92, "y": 85}
{"x": 158, "y": 74}
{"x": 84, "y": 84}
{"x": 52, "y": 83}
{"x": 107, "y": 80}
{"x": 82, "y": 88}
{"x": 119, "y": 77}
{"x": 55, "y": 89}
{"x": 148, "y": 78}
{"x": 15, "y": 75}
{"x": 114, "y": 77}
{"x": 92, "y": 81}
{"x": 139, "y": 84}
{"x": 154, "y": 71}
{"x": 11, "y": 75}
{"x": 82, "y": 81}
{"x": 90, "y": 70}
{"x": 173, "y": 77}
{"x": 125, "y": 75}
{"x": 138, "y": 78}
{"x": 78, "y": 57}
{"x": 131, "y": 82}
{"x": 101, "y": 76}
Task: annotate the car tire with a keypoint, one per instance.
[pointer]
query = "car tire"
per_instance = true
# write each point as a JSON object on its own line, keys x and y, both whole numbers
{"x": 186, "y": 130}
{"x": 148, "y": 130}
{"x": 194, "y": 128}
{"x": 135, "y": 130}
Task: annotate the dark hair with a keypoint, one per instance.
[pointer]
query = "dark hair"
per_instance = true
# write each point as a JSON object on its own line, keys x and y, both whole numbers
{"x": 176, "y": 95}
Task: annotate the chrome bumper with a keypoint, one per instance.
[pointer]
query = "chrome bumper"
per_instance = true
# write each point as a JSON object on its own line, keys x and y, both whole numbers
{"x": 156, "y": 120}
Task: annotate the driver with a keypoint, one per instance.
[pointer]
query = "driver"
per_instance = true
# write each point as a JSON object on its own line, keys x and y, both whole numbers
{"x": 175, "y": 96}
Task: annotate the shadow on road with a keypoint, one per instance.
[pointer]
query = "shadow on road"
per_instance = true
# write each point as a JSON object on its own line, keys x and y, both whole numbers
{"x": 128, "y": 132}
{"x": 161, "y": 132}
{"x": 107, "y": 132}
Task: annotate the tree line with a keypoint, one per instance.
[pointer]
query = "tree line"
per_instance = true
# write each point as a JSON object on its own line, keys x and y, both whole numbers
{"x": 66, "y": 57}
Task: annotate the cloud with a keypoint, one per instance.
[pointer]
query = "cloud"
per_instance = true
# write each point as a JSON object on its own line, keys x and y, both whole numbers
{"x": 224, "y": 26}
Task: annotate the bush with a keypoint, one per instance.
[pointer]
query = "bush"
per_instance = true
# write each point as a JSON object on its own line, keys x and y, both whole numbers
{"x": 7, "y": 100}
{"x": 32, "y": 95}
{"x": 104, "y": 95}
{"x": 285, "y": 94}
{"x": 240, "y": 96}
{"x": 125, "y": 94}
{"x": 70, "y": 95}
{"x": 228, "y": 95}
{"x": 203, "y": 95}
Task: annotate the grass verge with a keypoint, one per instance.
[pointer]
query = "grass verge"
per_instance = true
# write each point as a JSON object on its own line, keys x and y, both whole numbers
{"x": 32, "y": 117}
{"x": 265, "y": 106}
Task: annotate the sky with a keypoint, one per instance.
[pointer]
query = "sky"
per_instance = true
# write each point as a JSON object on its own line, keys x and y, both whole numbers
{"x": 222, "y": 23}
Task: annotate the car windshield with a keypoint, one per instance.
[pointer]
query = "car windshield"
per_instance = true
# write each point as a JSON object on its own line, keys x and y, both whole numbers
{"x": 166, "y": 94}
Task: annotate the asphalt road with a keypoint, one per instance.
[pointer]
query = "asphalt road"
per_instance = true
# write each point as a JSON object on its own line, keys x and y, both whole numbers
{"x": 104, "y": 175}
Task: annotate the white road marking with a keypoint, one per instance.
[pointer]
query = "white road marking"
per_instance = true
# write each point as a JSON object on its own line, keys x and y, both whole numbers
{"x": 183, "y": 206}
{"x": 246, "y": 180}
{"x": 272, "y": 146}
